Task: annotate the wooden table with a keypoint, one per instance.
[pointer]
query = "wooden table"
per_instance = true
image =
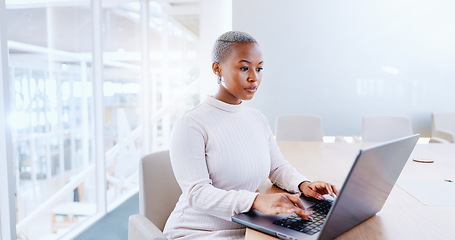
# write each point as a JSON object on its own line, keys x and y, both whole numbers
{"x": 70, "y": 211}
{"x": 403, "y": 216}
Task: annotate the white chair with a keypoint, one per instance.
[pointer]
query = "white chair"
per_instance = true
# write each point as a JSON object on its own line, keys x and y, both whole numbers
{"x": 158, "y": 194}
{"x": 379, "y": 128}
{"x": 443, "y": 127}
{"x": 298, "y": 127}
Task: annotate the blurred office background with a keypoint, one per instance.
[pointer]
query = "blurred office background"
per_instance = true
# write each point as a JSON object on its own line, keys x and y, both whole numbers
{"x": 88, "y": 87}
{"x": 345, "y": 59}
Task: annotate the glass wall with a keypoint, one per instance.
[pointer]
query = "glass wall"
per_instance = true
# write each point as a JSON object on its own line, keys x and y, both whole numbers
{"x": 121, "y": 42}
{"x": 51, "y": 118}
{"x": 174, "y": 71}
{"x": 52, "y": 102}
{"x": 173, "y": 62}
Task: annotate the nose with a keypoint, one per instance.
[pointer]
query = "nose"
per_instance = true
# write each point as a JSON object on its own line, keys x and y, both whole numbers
{"x": 253, "y": 77}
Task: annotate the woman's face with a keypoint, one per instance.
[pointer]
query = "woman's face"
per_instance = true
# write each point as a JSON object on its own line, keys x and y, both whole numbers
{"x": 241, "y": 73}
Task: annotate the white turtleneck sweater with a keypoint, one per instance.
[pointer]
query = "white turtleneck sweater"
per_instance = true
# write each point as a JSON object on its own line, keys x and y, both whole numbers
{"x": 221, "y": 154}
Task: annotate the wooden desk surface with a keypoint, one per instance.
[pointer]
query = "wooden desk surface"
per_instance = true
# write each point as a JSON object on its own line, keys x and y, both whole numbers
{"x": 403, "y": 216}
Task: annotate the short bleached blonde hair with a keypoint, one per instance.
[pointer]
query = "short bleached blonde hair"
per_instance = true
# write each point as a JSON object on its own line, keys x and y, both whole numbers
{"x": 224, "y": 44}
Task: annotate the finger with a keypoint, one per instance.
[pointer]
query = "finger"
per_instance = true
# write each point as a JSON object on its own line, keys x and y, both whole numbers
{"x": 288, "y": 209}
{"x": 319, "y": 187}
{"x": 304, "y": 214}
{"x": 314, "y": 193}
{"x": 326, "y": 188}
{"x": 311, "y": 186}
{"x": 318, "y": 196}
{"x": 329, "y": 190}
{"x": 292, "y": 209}
{"x": 335, "y": 190}
{"x": 295, "y": 199}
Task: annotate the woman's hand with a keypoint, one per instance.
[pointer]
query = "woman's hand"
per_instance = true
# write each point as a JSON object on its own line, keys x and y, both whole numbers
{"x": 275, "y": 203}
{"x": 318, "y": 189}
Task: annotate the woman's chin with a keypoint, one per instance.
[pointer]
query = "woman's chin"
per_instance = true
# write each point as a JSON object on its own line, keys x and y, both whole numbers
{"x": 248, "y": 97}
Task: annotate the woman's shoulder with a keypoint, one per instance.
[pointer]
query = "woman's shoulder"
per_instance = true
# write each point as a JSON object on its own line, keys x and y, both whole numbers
{"x": 195, "y": 114}
{"x": 196, "y": 111}
{"x": 254, "y": 111}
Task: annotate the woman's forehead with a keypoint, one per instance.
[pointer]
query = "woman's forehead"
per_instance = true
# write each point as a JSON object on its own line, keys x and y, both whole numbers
{"x": 246, "y": 51}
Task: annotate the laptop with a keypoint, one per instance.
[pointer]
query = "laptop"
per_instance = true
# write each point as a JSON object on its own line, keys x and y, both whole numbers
{"x": 364, "y": 192}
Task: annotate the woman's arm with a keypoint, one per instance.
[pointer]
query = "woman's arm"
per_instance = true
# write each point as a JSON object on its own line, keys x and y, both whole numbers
{"x": 287, "y": 177}
{"x": 282, "y": 173}
{"x": 284, "y": 176}
{"x": 190, "y": 168}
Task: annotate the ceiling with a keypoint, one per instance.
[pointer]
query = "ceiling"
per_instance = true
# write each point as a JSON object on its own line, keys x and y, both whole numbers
{"x": 185, "y": 12}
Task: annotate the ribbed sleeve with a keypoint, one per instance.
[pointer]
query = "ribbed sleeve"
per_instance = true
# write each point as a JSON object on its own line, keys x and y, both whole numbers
{"x": 190, "y": 168}
{"x": 282, "y": 174}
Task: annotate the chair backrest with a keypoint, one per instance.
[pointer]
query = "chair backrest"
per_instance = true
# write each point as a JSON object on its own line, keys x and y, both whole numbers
{"x": 298, "y": 127}
{"x": 158, "y": 189}
{"x": 379, "y": 128}
{"x": 443, "y": 121}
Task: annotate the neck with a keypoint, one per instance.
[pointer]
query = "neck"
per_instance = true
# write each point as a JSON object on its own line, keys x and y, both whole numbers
{"x": 226, "y": 97}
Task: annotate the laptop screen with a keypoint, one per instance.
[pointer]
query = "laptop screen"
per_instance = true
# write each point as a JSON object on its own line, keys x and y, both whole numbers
{"x": 368, "y": 185}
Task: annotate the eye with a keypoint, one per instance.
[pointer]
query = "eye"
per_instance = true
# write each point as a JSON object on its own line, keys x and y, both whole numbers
{"x": 259, "y": 69}
{"x": 244, "y": 69}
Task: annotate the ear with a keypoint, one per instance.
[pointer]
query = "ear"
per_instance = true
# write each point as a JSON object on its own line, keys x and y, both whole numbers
{"x": 216, "y": 68}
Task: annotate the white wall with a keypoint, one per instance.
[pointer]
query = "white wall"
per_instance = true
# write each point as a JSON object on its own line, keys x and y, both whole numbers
{"x": 215, "y": 19}
{"x": 344, "y": 59}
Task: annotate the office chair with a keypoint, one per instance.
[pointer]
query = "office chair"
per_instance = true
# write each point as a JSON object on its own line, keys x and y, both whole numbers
{"x": 298, "y": 127}
{"x": 158, "y": 194}
{"x": 443, "y": 127}
{"x": 379, "y": 128}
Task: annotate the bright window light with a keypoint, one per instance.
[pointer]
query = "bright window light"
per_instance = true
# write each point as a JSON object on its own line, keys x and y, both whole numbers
{"x": 19, "y": 120}
{"x": 391, "y": 70}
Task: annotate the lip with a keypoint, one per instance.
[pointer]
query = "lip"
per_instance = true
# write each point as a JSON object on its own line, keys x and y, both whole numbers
{"x": 252, "y": 89}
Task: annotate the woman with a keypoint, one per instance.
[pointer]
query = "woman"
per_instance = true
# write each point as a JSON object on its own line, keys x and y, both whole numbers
{"x": 222, "y": 152}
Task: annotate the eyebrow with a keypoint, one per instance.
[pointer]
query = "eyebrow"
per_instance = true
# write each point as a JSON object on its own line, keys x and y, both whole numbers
{"x": 246, "y": 61}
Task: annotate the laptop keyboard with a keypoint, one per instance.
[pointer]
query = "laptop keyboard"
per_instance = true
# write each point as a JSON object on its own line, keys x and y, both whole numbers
{"x": 320, "y": 212}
